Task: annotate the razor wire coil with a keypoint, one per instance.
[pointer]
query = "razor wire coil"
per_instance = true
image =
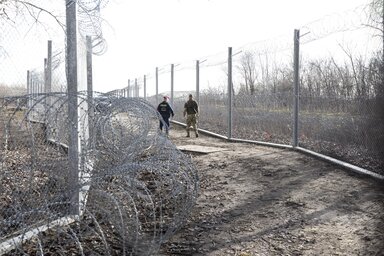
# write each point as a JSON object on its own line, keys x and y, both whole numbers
{"x": 136, "y": 189}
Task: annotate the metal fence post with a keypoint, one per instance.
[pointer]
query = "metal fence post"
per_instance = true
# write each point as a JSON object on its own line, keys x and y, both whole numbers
{"x": 33, "y": 89}
{"x": 90, "y": 92}
{"x": 31, "y": 85}
{"x": 89, "y": 69}
{"x": 172, "y": 85}
{"x": 198, "y": 81}
{"x": 229, "y": 92}
{"x": 296, "y": 38}
{"x": 28, "y": 84}
{"x": 29, "y": 90}
{"x": 48, "y": 82}
{"x": 145, "y": 87}
{"x": 48, "y": 85}
{"x": 136, "y": 89}
{"x": 157, "y": 85}
{"x": 129, "y": 88}
{"x": 45, "y": 75}
{"x": 73, "y": 144}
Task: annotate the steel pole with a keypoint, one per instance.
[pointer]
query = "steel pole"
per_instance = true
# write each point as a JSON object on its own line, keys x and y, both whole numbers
{"x": 157, "y": 86}
{"x": 198, "y": 81}
{"x": 73, "y": 145}
{"x": 296, "y": 39}
{"x": 136, "y": 89}
{"x": 229, "y": 92}
{"x": 145, "y": 87}
{"x": 172, "y": 83}
{"x": 129, "y": 88}
{"x": 90, "y": 92}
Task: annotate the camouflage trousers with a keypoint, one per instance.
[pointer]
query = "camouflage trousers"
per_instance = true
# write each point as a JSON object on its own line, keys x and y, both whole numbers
{"x": 192, "y": 121}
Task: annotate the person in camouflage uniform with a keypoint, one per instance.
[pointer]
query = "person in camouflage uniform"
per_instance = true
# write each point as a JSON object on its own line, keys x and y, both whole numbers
{"x": 191, "y": 110}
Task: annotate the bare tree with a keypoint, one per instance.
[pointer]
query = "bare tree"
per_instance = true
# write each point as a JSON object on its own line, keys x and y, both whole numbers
{"x": 376, "y": 21}
{"x": 376, "y": 18}
{"x": 345, "y": 82}
{"x": 374, "y": 76}
{"x": 247, "y": 67}
{"x": 264, "y": 70}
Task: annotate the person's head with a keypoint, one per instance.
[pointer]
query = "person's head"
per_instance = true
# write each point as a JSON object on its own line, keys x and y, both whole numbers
{"x": 165, "y": 98}
{"x": 190, "y": 97}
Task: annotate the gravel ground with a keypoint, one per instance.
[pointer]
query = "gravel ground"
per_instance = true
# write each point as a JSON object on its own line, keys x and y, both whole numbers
{"x": 258, "y": 200}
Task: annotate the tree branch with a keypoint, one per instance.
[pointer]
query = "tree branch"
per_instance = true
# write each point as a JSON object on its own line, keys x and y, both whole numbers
{"x": 28, "y": 5}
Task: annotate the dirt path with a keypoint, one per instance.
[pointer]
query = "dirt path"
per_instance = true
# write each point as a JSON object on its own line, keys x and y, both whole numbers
{"x": 258, "y": 200}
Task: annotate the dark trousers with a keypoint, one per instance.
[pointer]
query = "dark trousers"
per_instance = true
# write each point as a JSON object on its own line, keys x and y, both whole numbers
{"x": 166, "y": 121}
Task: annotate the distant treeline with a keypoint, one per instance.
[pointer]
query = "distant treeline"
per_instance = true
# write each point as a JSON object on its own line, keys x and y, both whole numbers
{"x": 354, "y": 86}
{"x": 6, "y": 91}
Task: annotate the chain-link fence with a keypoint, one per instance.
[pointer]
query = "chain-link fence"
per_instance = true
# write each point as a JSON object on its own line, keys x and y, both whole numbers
{"x": 88, "y": 173}
{"x": 81, "y": 172}
{"x": 133, "y": 188}
{"x": 341, "y": 98}
{"x": 319, "y": 89}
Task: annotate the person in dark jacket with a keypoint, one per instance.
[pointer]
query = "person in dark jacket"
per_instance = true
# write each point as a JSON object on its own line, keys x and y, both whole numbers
{"x": 166, "y": 112}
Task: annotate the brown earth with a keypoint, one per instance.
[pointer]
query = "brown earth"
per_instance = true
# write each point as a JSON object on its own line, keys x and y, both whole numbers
{"x": 257, "y": 200}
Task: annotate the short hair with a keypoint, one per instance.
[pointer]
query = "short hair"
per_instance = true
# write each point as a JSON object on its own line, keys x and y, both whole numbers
{"x": 190, "y": 95}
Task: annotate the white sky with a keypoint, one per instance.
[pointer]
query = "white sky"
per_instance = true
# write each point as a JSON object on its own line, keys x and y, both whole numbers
{"x": 143, "y": 34}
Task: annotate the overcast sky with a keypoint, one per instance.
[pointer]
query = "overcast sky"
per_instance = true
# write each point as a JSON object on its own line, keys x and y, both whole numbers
{"x": 143, "y": 34}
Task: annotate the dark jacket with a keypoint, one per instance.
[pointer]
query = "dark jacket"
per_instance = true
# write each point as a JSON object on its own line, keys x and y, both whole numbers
{"x": 191, "y": 107}
{"x": 165, "y": 110}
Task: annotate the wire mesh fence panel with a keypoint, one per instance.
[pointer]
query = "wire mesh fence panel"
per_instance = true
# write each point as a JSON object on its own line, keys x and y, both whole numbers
{"x": 22, "y": 51}
{"x": 59, "y": 82}
{"x": 32, "y": 192}
{"x": 139, "y": 87}
{"x": 151, "y": 88}
{"x": 262, "y": 91}
{"x": 213, "y": 99}
{"x": 322, "y": 90}
{"x": 163, "y": 82}
{"x": 135, "y": 88}
{"x": 184, "y": 84}
{"x": 97, "y": 180}
{"x": 340, "y": 99}
{"x": 34, "y": 188}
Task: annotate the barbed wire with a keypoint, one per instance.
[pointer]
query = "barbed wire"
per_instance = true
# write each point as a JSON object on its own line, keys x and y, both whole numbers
{"x": 350, "y": 20}
{"x": 90, "y": 23}
{"x": 353, "y": 19}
